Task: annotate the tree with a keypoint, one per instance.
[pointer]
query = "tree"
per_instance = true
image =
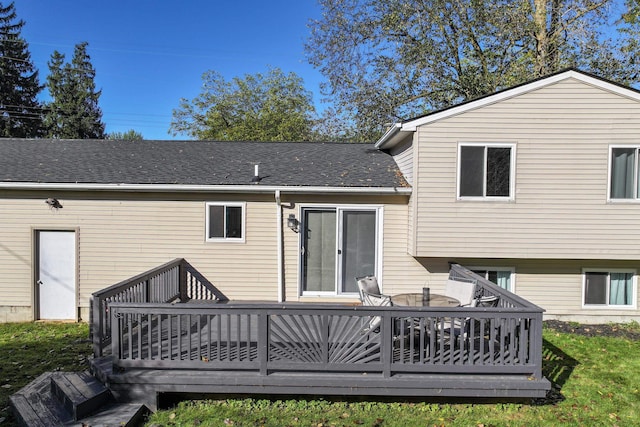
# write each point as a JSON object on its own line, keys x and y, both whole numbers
{"x": 385, "y": 61}
{"x": 73, "y": 112}
{"x": 20, "y": 111}
{"x": 130, "y": 135}
{"x": 260, "y": 107}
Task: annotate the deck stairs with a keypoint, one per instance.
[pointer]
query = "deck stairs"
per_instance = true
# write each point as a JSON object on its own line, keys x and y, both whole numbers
{"x": 72, "y": 399}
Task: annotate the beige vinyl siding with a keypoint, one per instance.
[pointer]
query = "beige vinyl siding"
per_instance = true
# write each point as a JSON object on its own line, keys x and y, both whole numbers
{"x": 562, "y": 135}
{"x": 401, "y": 272}
{"x": 121, "y": 238}
{"x": 403, "y": 156}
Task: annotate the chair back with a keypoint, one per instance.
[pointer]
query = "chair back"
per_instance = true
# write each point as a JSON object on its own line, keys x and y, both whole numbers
{"x": 368, "y": 284}
{"x": 488, "y": 301}
{"x": 370, "y": 296}
{"x": 464, "y": 292}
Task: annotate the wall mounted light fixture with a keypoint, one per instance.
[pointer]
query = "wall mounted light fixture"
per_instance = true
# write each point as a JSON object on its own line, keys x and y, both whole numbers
{"x": 53, "y": 203}
{"x": 293, "y": 223}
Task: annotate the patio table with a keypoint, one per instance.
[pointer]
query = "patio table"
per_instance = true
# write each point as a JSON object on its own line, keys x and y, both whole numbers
{"x": 416, "y": 300}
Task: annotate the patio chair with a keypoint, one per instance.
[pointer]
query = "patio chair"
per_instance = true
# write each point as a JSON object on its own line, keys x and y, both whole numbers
{"x": 370, "y": 296}
{"x": 464, "y": 292}
{"x": 368, "y": 284}
{"x": 487, "y": 301}
{"x": 463, "y": 326}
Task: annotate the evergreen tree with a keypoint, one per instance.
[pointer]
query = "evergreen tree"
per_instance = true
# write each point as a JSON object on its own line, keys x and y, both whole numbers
{"x": 20, "y": 111}
{"x": 73, "y": 112}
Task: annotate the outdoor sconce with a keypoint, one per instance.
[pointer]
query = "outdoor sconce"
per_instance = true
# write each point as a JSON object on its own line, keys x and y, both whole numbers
{"x": 293, "y": 223}
{"x": 53, "y": 203}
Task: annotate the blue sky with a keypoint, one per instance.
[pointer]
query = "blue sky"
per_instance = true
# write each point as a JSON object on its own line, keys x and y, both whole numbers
{"x": 149, "y": 54}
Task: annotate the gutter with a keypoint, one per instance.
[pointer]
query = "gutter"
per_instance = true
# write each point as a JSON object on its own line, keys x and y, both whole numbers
{"x": 389, "y": 134}
{"x": 155, "y": 188}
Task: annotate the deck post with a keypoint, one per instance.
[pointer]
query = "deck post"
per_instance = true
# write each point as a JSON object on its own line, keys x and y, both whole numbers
{"x": 386, "y": 345}
{"x": 536, "y": 345}
{"x": 96, "y": 323}
{"x": 182, "y": 281}
{"x": 263, "y": 342}
{"x": 115, "y": 336}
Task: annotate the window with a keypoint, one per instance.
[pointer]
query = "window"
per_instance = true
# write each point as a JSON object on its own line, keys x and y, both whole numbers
{"x": 485, "y": 171}
{"x": 609, "y": 288}
{"x": 225, "y": 222}
{"x": 502, "y": 277}
{"x": 624, "y": 173}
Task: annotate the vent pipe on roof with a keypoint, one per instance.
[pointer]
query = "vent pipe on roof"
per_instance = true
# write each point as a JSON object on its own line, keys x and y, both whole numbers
{"x": 256, "y": 176}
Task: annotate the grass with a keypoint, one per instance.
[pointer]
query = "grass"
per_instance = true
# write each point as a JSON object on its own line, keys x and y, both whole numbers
{"x": 30, "y": 349}
{"x": 595, "y": 380}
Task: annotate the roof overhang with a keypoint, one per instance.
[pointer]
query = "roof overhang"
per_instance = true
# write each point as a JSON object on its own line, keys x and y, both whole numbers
{"x": 399, "y": 131}
{"x": 176, "y": 188}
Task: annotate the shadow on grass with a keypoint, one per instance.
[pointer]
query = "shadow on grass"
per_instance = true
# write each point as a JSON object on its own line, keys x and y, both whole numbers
{"x": 557, "y": 367}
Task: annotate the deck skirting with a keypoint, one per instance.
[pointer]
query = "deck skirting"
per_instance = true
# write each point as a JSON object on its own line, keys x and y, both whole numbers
{"x": 144, "y": 385}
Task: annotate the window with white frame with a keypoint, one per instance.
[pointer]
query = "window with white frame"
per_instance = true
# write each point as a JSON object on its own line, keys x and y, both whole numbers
{"x": 485, "y": 170}
{"x": 623, "y": 182}
{"x": 502, "y": 277}
{"x": 615, "y": 288}
{"x": 225, "y": 222}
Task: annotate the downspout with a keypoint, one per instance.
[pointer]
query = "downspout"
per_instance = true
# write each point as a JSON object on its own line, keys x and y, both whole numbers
{"x": 280, "y": 248}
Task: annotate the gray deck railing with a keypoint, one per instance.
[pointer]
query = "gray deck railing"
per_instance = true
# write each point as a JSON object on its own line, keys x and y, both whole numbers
{"x": 174, "y": 281}
{"x": 268, "y": 338}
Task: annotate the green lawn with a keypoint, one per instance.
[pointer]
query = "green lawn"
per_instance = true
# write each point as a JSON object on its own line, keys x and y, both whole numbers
{"x": 30, "y": 349}
{"x": 596, "y": 382}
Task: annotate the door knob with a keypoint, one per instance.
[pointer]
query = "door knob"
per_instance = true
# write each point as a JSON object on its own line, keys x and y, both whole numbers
{"x": 40, "y": 282}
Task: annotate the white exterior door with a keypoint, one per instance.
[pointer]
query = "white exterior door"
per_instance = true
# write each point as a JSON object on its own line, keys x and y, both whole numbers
{"x": 56, "y": 275}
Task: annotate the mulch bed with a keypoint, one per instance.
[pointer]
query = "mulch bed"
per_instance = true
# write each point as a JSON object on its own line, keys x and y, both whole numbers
{"x": 608, "y": 330}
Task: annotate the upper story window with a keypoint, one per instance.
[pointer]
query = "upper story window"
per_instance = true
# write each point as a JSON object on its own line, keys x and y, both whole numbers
{"x": 615, "y": 288}
{"x": 624, "y": 173}
{"x": 486, "y": 171}
{"x": 225, "y": 222}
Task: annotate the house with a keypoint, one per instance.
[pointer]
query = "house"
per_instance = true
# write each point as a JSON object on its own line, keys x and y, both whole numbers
{"x": 534, "y": 187}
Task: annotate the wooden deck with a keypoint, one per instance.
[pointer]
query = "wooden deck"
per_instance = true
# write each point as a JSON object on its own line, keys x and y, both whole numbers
{"x": 143, "y": 348}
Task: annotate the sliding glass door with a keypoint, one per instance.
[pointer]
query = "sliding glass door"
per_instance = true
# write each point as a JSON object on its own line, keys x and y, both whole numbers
{"x": 338, "y": 245}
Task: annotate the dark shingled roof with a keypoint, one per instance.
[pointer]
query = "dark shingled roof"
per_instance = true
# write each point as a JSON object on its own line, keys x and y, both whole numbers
{"x": 196, "y": 163}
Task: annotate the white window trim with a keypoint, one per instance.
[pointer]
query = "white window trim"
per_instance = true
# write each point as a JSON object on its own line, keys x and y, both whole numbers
{"x": 242, "y": 239}
{"x": 609, "y": 170}
{"x": 634, "y": 297}
{"x": 511, "y": 270}
{"x": 379, "y": 248}
{"x": 512, "y": 171}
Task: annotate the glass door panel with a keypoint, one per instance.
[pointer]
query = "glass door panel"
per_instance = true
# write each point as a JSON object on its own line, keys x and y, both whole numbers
{"x": 357, "y": 248}
{"x": 319, "y": 251}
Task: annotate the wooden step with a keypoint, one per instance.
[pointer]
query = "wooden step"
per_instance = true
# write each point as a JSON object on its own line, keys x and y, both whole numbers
{"x": 33, "y": 405}
{"x": 80, "y": 393}
{"x": 51, "y": 399}
{"x": 117, "y": 414}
